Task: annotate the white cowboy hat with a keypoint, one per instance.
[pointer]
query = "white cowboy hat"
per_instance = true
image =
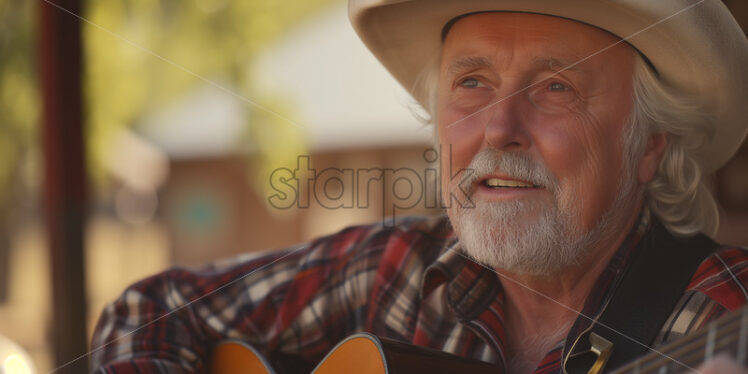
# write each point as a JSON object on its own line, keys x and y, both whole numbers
{"x": 695, "y": 45}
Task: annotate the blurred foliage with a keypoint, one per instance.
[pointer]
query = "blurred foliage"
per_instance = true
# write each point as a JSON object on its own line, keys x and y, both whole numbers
{"x": 19, "y": 102}
{"x": 279, "y": 143}
{"x": 139, "y": 56}
{"x": 143, "y": 54}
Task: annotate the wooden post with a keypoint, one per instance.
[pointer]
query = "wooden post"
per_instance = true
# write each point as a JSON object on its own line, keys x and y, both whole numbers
{"x": 60, "y": 68}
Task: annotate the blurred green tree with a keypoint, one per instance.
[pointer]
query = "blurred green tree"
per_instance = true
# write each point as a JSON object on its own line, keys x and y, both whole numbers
{"x": 19, "y": 115}
{"x": 139, "y": 56}
{"x": 143, "y": 54}
{"x": 19, "y": 99}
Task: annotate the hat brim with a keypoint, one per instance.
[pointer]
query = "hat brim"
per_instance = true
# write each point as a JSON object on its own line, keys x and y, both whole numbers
{"x": 695, "y": 46}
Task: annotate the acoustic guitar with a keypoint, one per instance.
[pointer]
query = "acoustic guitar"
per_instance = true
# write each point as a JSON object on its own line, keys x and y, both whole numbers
{"x": 366, "y": 353}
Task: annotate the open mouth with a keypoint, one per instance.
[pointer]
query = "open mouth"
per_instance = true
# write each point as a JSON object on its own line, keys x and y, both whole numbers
{"x": 506, "y": 183}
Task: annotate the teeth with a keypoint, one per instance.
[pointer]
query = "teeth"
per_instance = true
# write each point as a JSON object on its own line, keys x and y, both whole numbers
{"x": 496, "y": 182}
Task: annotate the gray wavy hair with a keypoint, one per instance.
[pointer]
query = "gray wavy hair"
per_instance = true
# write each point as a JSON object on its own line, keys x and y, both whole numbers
{"x": 677, "y": 194}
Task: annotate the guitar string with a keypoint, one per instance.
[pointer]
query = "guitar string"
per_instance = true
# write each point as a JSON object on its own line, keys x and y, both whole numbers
{"x": 676, "y": 347}
{"x": 174, "y": 64}
{"x": 687, "y": 348}
{"x": 695, "y": 359}
{"x": 675, "y": 351}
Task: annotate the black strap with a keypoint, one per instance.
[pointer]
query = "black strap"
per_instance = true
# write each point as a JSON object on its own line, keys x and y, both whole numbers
{"x": 659, "y": 272}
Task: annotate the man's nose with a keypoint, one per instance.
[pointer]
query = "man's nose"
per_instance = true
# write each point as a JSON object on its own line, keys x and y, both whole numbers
{"x": 505, "y": 128}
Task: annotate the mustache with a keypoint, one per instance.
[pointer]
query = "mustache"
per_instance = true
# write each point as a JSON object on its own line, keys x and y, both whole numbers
{"x": 515, "y": 164}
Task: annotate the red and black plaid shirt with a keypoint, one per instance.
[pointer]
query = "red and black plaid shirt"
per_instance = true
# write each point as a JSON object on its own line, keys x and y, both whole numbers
{"x": 404, "y": 282}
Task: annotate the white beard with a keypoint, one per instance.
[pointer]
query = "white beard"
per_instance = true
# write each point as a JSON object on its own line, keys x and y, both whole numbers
{"x": 490, "y": 235}
{"x": 490, "y": 232}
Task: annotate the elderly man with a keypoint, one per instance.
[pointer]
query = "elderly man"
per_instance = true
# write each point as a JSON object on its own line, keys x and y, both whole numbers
{"x": 579, "y": 130}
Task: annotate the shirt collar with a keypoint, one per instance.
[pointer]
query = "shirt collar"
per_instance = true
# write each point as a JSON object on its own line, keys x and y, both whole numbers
{"x": 471, "y": 287}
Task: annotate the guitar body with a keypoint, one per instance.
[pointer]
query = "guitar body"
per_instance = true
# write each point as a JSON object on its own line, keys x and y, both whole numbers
{"x": 361, "y": 353}
{"x": 236, "y": 357}
{"x": 365, "y": 353}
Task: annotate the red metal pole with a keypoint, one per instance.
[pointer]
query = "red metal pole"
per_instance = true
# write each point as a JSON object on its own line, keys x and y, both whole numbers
{"x": 60, "y": 68}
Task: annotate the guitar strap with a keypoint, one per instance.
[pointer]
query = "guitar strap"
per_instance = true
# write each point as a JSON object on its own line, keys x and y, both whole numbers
{"x": 659, "y": 272}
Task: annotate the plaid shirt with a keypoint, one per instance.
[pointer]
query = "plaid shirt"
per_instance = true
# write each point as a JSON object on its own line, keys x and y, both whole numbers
{"x": 403, "y": 282}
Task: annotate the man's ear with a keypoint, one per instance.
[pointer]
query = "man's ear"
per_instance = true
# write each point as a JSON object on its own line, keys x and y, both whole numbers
{"x": 650, "y": 160}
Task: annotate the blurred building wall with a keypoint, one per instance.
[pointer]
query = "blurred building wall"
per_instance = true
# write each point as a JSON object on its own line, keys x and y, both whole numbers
{"x": 211, "y": 210}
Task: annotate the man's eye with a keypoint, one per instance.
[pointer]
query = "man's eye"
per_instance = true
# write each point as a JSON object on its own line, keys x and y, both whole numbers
{"x": 470, "y": 83}
{"x": 553, "y": 96}
{"x": 558, "y": 87}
